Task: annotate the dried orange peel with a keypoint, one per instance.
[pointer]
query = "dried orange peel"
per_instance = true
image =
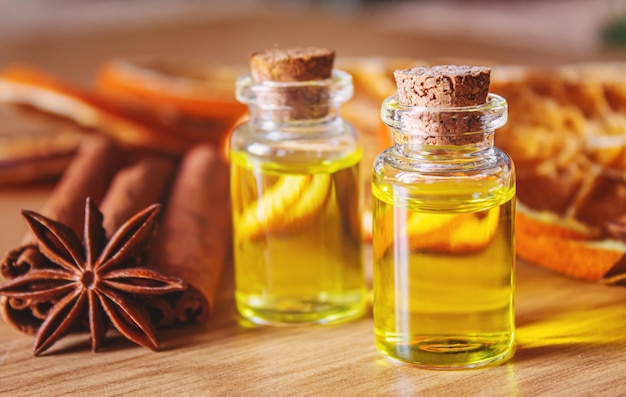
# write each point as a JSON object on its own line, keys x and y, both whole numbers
{"x": 453, "y": 233}
{"x": 567, "y": 136}
{"x": 564, "y": 246}
{"x": 199, "y": 100}
{"x": 33, "y": 149}
{"x": 202, "y": 91}
{"x": 468, "y": 232}
{"x": 29, "y": 87}
{"x": 292, "y": 203}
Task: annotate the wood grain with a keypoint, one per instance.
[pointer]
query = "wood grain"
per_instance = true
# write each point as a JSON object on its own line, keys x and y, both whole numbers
{"x": 570, "y": 335}
{"x": 570, "y": 340}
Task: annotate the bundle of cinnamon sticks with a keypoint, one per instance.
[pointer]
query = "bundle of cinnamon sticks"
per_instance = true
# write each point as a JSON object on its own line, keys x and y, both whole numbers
{"x": 192, "y": 242}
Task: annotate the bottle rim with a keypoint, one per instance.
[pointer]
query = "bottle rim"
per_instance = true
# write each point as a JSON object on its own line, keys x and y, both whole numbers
{"x": 484, "y": 118}
{"x": 339, "y": 85}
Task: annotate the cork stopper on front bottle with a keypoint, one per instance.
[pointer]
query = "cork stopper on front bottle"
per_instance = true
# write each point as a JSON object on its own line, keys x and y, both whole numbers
{"x": 443, "y": 86}
{"x": 439, "y": 88}
{"x": 299, "y": 101}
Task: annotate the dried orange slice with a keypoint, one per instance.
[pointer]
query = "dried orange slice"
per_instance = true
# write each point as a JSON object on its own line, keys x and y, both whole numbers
{"x": 564, "y": 246}
{"x": 26, "y": 86}
{"x": 408, "y": 231}
{"x": 461, "y": 233}
{"x": 33, "y": 149}
{"x": 567, "y": 136}
{"x": 452, "y": 233}
{"x": 290, "y": 204}
{"x": 197, "y": 100}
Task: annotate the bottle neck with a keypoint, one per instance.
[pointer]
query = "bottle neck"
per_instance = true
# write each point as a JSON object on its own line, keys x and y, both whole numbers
{"x": 295, "y": 105}
{"x": 293, "y": 118}
{"x": 441, "y": 135}
{"x": 414, "y": 147}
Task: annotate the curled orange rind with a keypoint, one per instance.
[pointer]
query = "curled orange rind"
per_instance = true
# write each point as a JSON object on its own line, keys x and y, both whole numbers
{"x": 193, "y": 89}
{"x": 460, "y": 233}
{"x": 565, "y": 246}
{"x": 25, "y": 86}
{"x": 463, "y": 233}
{"x": 287, "y": 206}
{"x": 197, "y": 100}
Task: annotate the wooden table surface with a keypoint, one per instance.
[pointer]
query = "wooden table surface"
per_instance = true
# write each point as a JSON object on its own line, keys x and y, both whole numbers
{"x": 571, "y": 335}
{"x": 570, "y": 341}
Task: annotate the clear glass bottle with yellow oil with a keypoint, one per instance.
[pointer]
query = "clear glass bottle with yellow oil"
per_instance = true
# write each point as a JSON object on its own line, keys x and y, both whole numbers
{"x": 295, "y": 200}
{"x": 443, "y": 232}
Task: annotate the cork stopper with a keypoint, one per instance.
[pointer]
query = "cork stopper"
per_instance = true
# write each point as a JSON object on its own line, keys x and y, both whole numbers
{"x": 443, "y": 86}
{"x": 306, "y": 98}
{"x": 440, "y": 88}
{"x": 293, "y": 64}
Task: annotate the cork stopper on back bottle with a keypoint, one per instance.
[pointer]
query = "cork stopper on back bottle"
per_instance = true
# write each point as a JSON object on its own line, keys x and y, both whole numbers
{"x": 437, "y": 93}
{"x": 293, "y": 64}
{"x": 296, "y": 72}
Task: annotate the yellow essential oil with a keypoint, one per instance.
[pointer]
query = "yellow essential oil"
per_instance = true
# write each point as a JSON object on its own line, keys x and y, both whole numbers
{"x": 443, "y": 225}
{"x": 296, "y": 204}
{"x": 443, "y": 271}
{"x": 297, "y": 244}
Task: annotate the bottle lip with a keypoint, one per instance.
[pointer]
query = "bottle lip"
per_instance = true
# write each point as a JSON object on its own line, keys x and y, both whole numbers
{"x": 494, "y": 101}
{"x": 339, "y": 86}
{"x": 489, "y": 116}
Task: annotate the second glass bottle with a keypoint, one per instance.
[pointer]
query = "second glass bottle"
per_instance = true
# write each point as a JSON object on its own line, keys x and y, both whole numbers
{"x": 295, "y": 193}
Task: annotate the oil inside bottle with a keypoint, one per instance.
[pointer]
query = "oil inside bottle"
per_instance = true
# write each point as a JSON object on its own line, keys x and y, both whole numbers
{"x": 297, "y": 241}
{"x": 443, "y": 273}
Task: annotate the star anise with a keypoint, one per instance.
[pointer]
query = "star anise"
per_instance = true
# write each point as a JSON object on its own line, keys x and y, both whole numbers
{"x": 96, "y": 282}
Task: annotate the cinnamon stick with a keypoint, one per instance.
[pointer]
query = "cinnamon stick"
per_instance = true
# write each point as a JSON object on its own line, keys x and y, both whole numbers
{"x": 142, "y": 183}
{"x": 192, "y": 244}
{"x": 194, "y": 239}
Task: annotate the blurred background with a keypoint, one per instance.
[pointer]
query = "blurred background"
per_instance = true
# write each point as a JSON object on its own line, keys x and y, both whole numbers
{"x": 72, "y": 37}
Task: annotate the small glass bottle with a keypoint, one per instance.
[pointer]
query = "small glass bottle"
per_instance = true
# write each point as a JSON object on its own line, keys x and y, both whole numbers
{"x": 295, "y": 197}
{"x": 443, "y": 227}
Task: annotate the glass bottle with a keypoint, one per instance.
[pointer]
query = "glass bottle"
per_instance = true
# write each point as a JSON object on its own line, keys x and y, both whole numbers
{"x": 295, "y": 197}
{"x": 443, "y": 238}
